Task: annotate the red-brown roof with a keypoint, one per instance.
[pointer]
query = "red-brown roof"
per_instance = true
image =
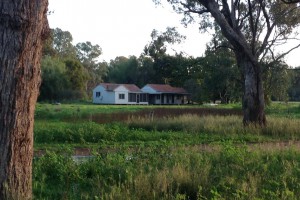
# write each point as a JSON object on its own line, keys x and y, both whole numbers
{"x": 113, "y": 86}
{"x": 110, "y": 86}
{"x": 163, "y": 88}
{"x": 132, "y": 87}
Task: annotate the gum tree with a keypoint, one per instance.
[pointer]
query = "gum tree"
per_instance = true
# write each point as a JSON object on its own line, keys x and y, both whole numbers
{"x": 23, "y": 28}
{"x": 254, "y": 29}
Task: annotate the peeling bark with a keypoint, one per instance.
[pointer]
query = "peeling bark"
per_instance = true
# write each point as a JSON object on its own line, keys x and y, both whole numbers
{"x": 253, "y": 98}
{"x": 23, "y": 27}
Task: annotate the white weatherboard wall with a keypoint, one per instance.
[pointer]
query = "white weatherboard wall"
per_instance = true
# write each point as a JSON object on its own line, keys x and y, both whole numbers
{"x": 106, "y": 97}
{"x": 121, "y": 90}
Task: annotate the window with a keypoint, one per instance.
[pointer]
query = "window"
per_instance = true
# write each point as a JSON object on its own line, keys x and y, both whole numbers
{"x": 158, "y": 97}
{"x": 98, "y": 94}
{"x": 132, "y": 97}
{"x": 144, "y": 97}
{"x": 121, "y": 96}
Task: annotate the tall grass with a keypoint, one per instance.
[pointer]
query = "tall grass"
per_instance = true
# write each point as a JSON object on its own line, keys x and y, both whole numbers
{"x": 77, "y": 111}
{"x": 284, "y": 110}
{"x": 162, "y": 157}
{"x": 161, "y": 173}
{"x": 184, "y": 129}
{"x": 223, "y": 125}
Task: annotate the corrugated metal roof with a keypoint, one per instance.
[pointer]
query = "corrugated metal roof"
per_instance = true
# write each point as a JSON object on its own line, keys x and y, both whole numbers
{"x": 163, "y": 88}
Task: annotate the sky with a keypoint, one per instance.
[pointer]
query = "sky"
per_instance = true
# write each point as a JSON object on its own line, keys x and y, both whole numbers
{"x": 123, "y": 28}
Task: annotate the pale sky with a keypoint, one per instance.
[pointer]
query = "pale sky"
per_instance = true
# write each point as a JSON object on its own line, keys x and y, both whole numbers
{"x": 123, "y": 28}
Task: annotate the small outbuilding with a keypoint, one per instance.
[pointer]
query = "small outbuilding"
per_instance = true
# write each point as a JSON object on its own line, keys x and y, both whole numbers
{"x": 110, "y": 93}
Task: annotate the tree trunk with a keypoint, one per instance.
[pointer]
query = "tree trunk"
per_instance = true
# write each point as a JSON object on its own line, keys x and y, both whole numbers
{"x": 23, "y": 27}
{"x": 253, "y": 99}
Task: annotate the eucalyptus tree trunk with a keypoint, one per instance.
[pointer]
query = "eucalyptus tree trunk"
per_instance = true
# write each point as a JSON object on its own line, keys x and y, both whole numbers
{"x": 23, "y": 27}
{"x": 247, "y": 60}
{"x": 253, "y": 97}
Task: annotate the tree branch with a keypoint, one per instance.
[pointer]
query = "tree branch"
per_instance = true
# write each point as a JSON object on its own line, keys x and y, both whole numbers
{"x": 189, "y": 9}
{"x": 287, "y": 52}
{"x": 234, "y": 36}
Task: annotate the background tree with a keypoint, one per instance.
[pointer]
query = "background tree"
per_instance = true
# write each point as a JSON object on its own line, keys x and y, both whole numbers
{"x": 157, "y": 50}
{"x": 78, "y": 78}
{"x": 194, "y": 84}
{"x": 62, "y": 43}
{"x": 88, "y": 54}
{"x": 277, "y": 81}
{"x": 146, "y": 70}
{"x": 48, "y": 48}
{"x": 123, "y": 70}
{"x": 23, "y": 29}
{"x": 253, "y": 29}
{"x": 55, "y": 81}
{"x": 222, "y": 78}
{"x": 58, "y": 51}
{"x": 294, "y": 90}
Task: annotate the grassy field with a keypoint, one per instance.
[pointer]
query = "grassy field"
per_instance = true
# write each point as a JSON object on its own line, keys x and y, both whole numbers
{"x": 165, "y": 152}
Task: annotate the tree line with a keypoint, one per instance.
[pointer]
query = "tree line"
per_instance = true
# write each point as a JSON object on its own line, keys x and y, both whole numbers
{"x": 70, "y": 72}
{"x": 252, "y": 28}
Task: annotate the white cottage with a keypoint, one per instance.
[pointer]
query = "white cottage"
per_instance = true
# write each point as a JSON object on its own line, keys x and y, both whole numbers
{"x": 165, "y": 94}
{"x": 110, "y": 93}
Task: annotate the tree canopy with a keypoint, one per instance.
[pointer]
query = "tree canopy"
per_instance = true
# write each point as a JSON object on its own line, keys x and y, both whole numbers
{"x": 214, "y": 76}
{"x": 254, "y": 30}
{"x": 77, "y": 65}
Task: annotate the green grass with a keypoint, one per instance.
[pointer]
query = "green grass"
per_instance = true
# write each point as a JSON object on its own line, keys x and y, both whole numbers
{"x": 164, "y": 173}
{"x": 284, "y": 110}
{"x": 167, "y": 156}
{"x": 181, "y": 130}
{"x": 73, "y": 125}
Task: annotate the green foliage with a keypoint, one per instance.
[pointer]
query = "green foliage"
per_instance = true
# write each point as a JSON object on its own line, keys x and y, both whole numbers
{"x": 54, "y": 177}
{"x": 55, "y": 81}
{"x": 62, "y": 44}
{"x": 161, "y": 173}
{"x": 78, "y": 78}
{"x": 81, "y": 70}
{"x": 123, "y": 70}
{"x": 69, "y": 124}
{"x": 221, "y": 77}
{"x": 277, "y": 81}
{"x": 294, "y": 90}
{"x": 146, "y": 71}
{"x": 182, "y": 157}
{"x": 157, "y": 46}
{"x": 286, "y": 16}
{"x": 88, "y": 54}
